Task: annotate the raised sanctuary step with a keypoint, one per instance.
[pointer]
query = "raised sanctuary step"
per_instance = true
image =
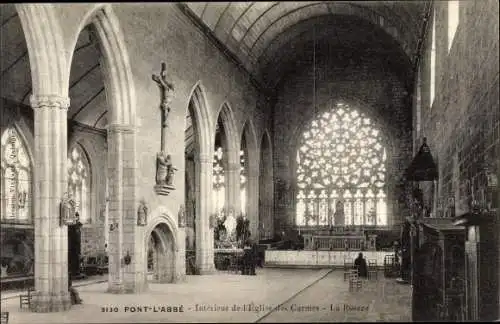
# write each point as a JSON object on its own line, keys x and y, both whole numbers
{"x": 319, "y": 259}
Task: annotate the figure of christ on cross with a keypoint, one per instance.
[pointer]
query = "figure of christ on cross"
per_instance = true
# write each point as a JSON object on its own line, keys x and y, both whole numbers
{"x": 167, "y": 91}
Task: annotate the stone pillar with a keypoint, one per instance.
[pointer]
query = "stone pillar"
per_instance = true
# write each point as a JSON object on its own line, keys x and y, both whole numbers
{"x": 204, "y": 234}
{"x": 50, "y": 184}
{"x": 233, "y": 185}
{"x": 253, "y": 203}
{"x": 126, "y": 239}
{"x": 180, "y": 255}
{"x": 498, "y": 232}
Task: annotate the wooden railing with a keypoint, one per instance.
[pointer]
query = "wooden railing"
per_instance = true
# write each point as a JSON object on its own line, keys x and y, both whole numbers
{"x": 339, "y": 242}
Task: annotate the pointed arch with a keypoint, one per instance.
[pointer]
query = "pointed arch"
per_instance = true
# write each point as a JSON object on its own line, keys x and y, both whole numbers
{"x": 251, "y": 138}
{"x": 117, "y": 73}
{"x": 121, "y": 99}
{"x": 46, "y": 52}
{"x": 230, "y": 157}
{"x": 266, "y": 188}
{"x": 226, "y": 116}
{"x": 198, "y": 108}
{"x": 201, "y": 121}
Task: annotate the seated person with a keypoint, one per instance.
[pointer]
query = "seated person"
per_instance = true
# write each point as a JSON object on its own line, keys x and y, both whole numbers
{"x": 360, "y": 264}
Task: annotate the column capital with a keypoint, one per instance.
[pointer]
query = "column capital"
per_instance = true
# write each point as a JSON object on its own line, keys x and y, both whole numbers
{"x": 49, "y": 101}
{"x": 121, "y": 128}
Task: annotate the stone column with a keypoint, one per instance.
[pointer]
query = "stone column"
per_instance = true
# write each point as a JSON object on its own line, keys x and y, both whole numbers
{"x": 126, "y": 239}
{"x": 253, "y": 202}
{"x": 204, "y": 234}
{"x": 180, "y": 255}
{"x": 233, "y": 186}
{"x": 50, "y": 184}
{"x": 498, "y": 232}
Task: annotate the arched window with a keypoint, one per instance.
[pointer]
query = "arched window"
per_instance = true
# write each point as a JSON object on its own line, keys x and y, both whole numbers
{"x": 219, "y": 188}
{"x": 341, "y": 171}
{"x": 79, "y": 182}
{"x": 243, "y": 180}
{"x": 16, "y": 179}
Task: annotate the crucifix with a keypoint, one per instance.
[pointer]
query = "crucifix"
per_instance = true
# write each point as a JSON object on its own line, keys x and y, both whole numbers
{"x": 167, "y": 92}
{"x": 164, "y": 167}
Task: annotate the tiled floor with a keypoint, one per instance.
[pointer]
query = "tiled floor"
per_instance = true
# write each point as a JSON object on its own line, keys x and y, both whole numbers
{"x": 225, "y": 298}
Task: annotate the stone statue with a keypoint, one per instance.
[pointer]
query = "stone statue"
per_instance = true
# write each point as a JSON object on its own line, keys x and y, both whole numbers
{"x": 142, "y": 213}
{"x": 170, "y": 172}
{"x": 181, "y": 216}
{"x": 339, "y": 216}
{"x": 67, "y": 210}
{"x": 162, "y": 164}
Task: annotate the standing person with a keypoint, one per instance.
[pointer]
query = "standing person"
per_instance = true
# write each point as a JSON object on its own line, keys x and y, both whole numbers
{"x": 75, "y": 297}
{"x": 360, "y": 264}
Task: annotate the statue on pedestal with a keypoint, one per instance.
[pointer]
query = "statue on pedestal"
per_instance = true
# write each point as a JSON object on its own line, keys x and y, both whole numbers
{"x": 181, "y": 216}
{"x": 142, "y": 213}
{"x": 163, "y": 163}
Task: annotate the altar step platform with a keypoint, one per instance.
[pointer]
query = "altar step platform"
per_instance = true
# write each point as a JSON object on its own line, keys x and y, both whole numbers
{"x": 320, "y": 259}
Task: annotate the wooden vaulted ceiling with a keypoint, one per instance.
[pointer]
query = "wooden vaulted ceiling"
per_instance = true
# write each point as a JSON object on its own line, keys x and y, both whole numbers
{"x": 86, "y": 88}
{"x": 268, "y": 38}
{"x": 260, "y": 34}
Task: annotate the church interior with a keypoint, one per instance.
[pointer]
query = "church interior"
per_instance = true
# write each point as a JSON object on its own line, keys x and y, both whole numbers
{"x": 250, "y": 161}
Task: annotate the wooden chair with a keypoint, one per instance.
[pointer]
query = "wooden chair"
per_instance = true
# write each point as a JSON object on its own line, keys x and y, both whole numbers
{"x": 25, "y": 299}
{"x": 4, "y": 318}
{"x": 233, "y": 264}
{"x": 372, "y": 269}
{"x": 355, "y": 283}
{"x": 348, "y": 266}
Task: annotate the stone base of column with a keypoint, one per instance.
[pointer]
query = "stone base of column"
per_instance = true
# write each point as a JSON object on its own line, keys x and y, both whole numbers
{"x": 128, "y": 288}
{"x": 179, "y": 278}
{"x": 207, "y": 269}
{"x": 116, "y": 288}
{"x": 42, "y": 303}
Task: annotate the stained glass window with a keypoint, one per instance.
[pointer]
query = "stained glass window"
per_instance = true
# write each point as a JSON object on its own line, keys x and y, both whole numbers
{"x": 341, "y": 171}
{"x": 243, "y": 181}
{"x": 17, "y": 178}
{"x": 218, "y": 191}
{"x": 79, "y": 182}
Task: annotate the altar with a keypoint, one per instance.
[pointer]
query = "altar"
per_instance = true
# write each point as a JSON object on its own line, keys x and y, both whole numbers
{"x": 340, "y": 238}
{"x": 223, "y": 257}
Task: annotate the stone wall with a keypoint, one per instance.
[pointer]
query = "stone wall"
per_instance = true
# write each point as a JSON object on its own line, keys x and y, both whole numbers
{"x": 462, "y": 124}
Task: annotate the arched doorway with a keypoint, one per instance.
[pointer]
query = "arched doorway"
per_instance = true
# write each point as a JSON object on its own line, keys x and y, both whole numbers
{"x": 161, "y": 255}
